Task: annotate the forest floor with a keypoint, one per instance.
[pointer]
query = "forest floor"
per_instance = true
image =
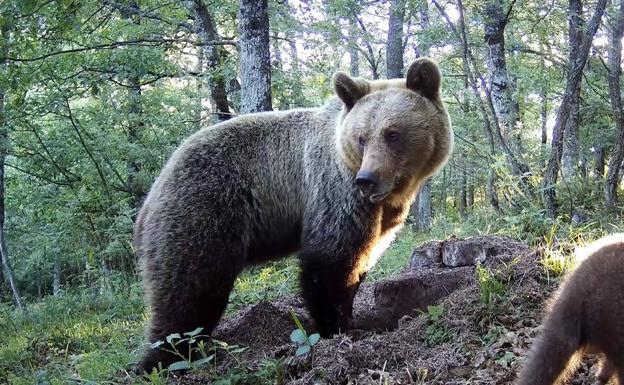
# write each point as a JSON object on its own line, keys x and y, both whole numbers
{"x": 476, "y": 333}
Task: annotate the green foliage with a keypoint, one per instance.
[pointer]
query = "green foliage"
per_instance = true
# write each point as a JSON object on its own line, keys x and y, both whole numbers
{"x": 300, "y": 337}
{"x": 265, "y": 282}
{"x": 436, "y": 332}
{"x": 490, "y": 286}
{"x": 80, "y": 335}
{"x": 95, "y": 98}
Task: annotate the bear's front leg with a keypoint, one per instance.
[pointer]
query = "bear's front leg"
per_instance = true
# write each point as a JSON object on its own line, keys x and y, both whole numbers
{"x": 328, "y": 287}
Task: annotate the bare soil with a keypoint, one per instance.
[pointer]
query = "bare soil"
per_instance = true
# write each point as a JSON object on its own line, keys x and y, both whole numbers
{"x": 471, "y": 342}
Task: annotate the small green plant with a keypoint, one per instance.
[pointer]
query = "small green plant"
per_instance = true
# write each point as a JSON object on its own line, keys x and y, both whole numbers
{"x": 301, "y": 339}
{"x": 195, "y": 346}
{"x": 490, "y": 286}
{"x": 557, "y": 260}
{"x": 436, "y": 332}
{"x": 157, "y": 376}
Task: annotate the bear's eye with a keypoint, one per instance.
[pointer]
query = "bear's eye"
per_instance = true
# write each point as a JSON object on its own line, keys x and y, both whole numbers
{"x": 392, "y": 136}
{"x": 362, "y": 141}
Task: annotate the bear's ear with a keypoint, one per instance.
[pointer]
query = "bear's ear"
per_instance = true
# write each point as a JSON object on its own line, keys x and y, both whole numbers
{"x": 349, "y": 90}
{"x": 423, "y": 76}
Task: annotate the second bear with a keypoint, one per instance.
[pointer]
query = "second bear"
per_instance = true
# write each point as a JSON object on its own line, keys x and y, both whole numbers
{"x": 587, "y": 315}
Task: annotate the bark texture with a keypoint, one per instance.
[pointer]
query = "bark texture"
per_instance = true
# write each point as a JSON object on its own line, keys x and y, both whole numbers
{"x": 575, "y": 73}
{"x": 352, "y": 47}
{"x": 571, "y": 144}
{"x": 501, "y": 90}
{"x": 615, "y": 94}
{"x": 212, "y": 59}
{"x": 255, "y": 60}
{"x": 423, "y": 207}
{"x": 394, "y": 48}
{"x": 4, "y": 147}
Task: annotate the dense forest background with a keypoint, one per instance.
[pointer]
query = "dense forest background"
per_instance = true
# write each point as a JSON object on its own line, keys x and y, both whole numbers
{"x": 95, "y": 95}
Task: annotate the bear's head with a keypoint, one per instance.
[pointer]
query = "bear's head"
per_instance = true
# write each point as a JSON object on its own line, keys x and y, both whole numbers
{"x": 393, "y": 134}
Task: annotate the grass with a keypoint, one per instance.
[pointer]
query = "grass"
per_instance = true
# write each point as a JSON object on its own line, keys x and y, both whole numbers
{"x": 74, "y": 337}
{"x": 85, "y": 337}
{"x": 82, "y": 336}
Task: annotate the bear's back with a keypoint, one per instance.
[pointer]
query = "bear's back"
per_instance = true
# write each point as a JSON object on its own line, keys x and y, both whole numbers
{"x": 598, "y": 284}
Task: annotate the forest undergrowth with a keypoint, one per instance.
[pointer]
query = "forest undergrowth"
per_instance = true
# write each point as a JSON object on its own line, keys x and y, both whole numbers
{"x": 93, "y": 334}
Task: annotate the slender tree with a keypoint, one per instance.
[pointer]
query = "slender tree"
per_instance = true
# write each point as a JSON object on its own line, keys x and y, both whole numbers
{"x": 394, "y": 48}
{"x": 571, "y": 145}
{"x": 352, "y": 46}
{"x": 4, "y": 148}
{"x": 505, "y": 106}
{"x": 255, "y": 60}
{"x": 212, "y": 59}
{"x": 573, "y": 82}
{"x": 615, "y": 94}
{"x": 422, "y": 208}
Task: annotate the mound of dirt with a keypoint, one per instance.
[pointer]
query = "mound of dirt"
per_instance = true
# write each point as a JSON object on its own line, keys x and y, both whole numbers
{"x": 477, "y": 333}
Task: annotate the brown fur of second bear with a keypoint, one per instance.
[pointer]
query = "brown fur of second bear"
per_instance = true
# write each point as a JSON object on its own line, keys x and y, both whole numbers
{"x": 587, "y": 315}
{"x": 332, "y": 184}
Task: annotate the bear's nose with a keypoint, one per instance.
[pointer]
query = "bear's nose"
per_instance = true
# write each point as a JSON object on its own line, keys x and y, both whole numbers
{"x": 366, "y": 181}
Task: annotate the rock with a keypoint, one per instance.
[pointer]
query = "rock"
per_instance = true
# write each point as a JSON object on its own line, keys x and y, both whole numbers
{"x": 427, "y": 254}
{"x": 415, "y": 290}
{"x": 463, "y": 253}
{"x": 456, "y": 252}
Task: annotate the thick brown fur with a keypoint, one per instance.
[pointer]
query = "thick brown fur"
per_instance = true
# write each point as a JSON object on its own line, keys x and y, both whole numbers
{"x": 586, "y": 315}
{"x": 263, "y": 186}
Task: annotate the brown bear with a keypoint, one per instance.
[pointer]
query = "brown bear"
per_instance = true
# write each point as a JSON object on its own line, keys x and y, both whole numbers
{"x": 586, "y": 315}
{"x": 331, "y": 184}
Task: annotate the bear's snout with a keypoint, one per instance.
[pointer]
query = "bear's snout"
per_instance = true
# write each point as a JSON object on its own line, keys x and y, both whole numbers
{"x": 366, "y": 182}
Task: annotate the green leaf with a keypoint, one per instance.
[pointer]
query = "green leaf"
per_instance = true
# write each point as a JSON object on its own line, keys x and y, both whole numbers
{"x": 302, "y": 350}
{"x": 298, "y": 336}
{"x": 194, "y": 332}
{"x": 173, "y": 336}
{"x": 314, "y": 338}
{"x": 203, "y": 361}
{"x": 180, "y": 365}
{"x": 28, "y": 6}
{"x": 237, "y": 350}
{"x": 296, "y": 319}
{"x": 156, "y": 344}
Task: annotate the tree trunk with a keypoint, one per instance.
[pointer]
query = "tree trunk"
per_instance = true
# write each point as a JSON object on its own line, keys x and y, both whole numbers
{"x": 570, "y": 154}
{"x": 463, "y": 190}
{"x": 394, "y": 47}
{"x": 370, "y": 56}
{"x": 599, "y": 161}
{"x": 277, "y": 54}
{"x": 573, "y": 82}
{"x": 421, "y": 209}
{"x": 255, "y": 63}
{"x": 544, "y": 115}
{"x": 4, "y": 148}
{"x": 499, "y": 80}
{"x": 422, "y": 48}
{"x": 491, "y": 188}
{"x": 571, "y": 146}
{"x": 443, "y": 192}
{"x": 492, "y": 191}
{"x": 211, "y": 53}
{"x": 56, "y": 277}
{"x": 352, "y": 47}
{"x": 198, "y": 107}
{"x": 615, "y": 94}
{"x": 298, "y": 99}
